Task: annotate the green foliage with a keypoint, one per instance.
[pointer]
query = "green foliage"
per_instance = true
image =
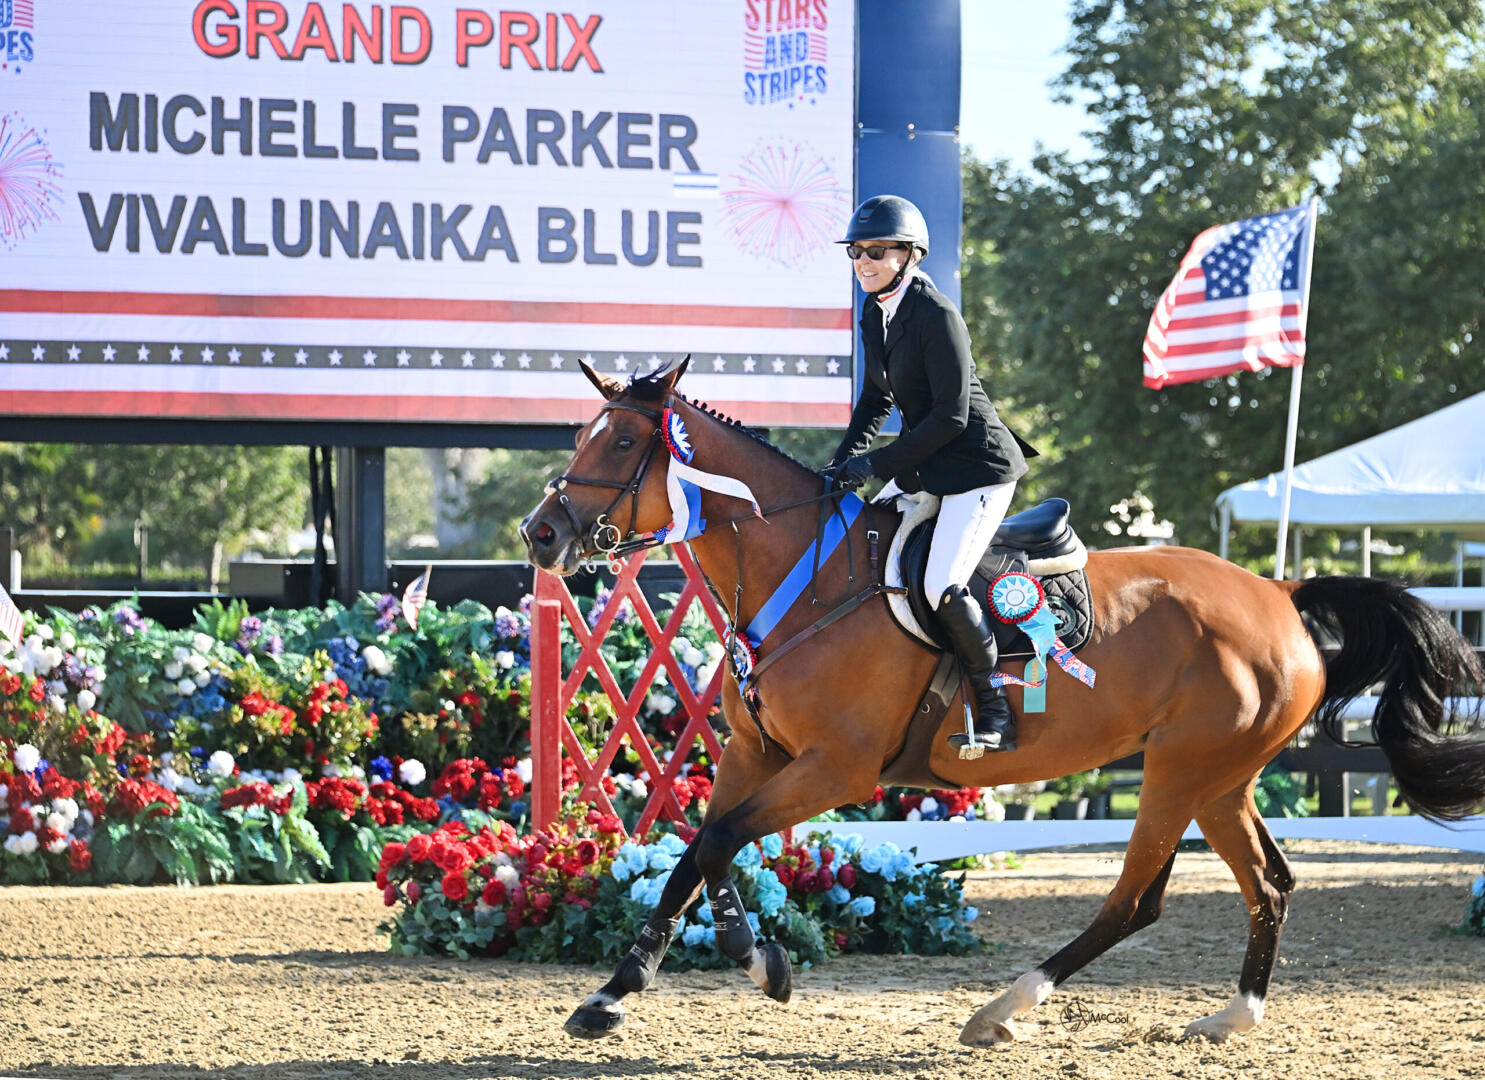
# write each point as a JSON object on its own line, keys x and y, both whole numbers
{"x": 1205, "y": 113}
{"x": 188, "y": 847}
{"x": 273, "y": 848}
{"x": 354, "y": 849}
{"x": 1076, "y": 785}
{"x": 1279, "y": 794}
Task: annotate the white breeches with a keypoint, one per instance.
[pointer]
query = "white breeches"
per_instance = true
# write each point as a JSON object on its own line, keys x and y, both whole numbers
{"x": 966, "y": 524}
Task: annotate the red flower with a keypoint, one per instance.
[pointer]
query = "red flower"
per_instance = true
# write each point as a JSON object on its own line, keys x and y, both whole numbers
{"x": 455, "y": 886}
{"x": 10, "y": 684}
{"x": 46, "y": 835}
{"x": 806, "y": 881}
{"x": 541, "y": 901}
{"x": 389, "y": 894}
{"x": 38, "y": 690}
{"x": 417, "y": 847}
{"x": 494, "y": 893}
{"x": 414, "y": 890}
{"x": 785, "y": 875}
{"x": 840, "y": 940}
{"x": 22, "y": 821}
{"x": 827, "y": 854}
{"x": 610, "y": 825}
{"x": 824, "y": 879}
{"x": 392, "y": 854}
{"x": 878, "y": 795}
{"x": 847, "y": 875}
{"x": 79, "y": 857}
{"x": 587, "y": 852}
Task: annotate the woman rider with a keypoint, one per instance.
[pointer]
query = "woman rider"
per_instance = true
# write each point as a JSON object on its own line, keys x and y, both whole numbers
{"x": 952, "y": 443}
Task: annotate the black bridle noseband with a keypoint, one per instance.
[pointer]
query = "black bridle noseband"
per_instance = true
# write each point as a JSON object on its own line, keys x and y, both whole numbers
{"x": 603, "y": 537}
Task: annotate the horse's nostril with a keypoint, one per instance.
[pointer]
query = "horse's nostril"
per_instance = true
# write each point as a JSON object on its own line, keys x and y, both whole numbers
{"x": 544, "y": 534}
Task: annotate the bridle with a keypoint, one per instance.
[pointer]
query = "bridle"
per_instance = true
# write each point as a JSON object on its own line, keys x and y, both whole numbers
{"x": 603, "y": 537}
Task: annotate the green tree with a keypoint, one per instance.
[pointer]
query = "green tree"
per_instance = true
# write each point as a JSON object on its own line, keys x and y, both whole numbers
{"x": 48, "y": 497}
{"x": 1209, "y": 112}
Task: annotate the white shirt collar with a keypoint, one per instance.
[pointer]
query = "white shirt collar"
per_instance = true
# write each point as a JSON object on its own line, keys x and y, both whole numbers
{"x": 890, "y": 302}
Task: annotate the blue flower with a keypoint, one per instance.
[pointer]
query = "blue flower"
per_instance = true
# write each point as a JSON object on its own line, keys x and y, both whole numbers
{"x": 902, "y": 866}
{"x": 838, "y": 893}
{"x": 879, "y": 860}
{"x": 748, "y": 857}
{"x": 381, "y": 768}
{"x": 852, "y": 843}
{"x": 771, "y": 892}
{"x": 518, "y": 809}
{"x": 672, "y": 843}
{"x": 661, "y": 860}
{"x": 912, "y": 900}
{"x": 1478, "y": 888}
{"x": 703, "y": 913}
{"x": 694, "y": 935}
{"x": 970, "y": 913}
{"x": 863, "y": 906}
{"x": 773, "y": 845}
{"x": 944, "y": 925}
{"x": 629, "y": 861}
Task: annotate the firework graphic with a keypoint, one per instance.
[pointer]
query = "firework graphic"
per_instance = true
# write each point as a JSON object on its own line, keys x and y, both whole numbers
{"x": 783, "y": 204}
{"x": 29, "y": 192}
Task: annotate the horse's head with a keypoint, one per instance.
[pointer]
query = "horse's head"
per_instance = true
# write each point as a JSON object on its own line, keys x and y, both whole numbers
{"x": 614, "y": 485}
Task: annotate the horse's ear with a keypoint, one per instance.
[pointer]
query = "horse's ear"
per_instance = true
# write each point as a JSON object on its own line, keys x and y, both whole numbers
{"x": 608, "y": 387}
{"x": 671, "y": 374}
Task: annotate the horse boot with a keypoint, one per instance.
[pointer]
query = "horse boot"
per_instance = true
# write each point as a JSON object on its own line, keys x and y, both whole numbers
{"x": 993, "y": 727}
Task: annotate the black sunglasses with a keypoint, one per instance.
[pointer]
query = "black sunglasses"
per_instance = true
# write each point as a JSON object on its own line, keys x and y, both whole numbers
{"x": 874, "y": 252}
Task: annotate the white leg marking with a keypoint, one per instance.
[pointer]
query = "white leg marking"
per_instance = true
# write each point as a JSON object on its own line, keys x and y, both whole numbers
{"x": 757, "y": 969}
{"x": 992, "y": 1024}
{"x": 605, "y": 1002}
{"x": 1241, "y": 1013}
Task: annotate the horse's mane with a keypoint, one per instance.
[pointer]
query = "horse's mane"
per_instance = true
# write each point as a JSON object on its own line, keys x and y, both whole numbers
{"x": 757, "y": 437}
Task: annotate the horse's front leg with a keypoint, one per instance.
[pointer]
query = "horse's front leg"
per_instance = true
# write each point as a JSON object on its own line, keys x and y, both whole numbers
{"x": 804, "y": 787}
{"x": 740, "y": 770}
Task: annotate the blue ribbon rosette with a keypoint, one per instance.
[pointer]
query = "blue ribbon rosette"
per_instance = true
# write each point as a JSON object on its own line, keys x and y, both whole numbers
{"x": 1017, "y": 598}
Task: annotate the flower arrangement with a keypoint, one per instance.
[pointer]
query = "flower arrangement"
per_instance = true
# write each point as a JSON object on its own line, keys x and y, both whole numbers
{"x": 1474, "y": 916}
{"x": 576, "y": 894}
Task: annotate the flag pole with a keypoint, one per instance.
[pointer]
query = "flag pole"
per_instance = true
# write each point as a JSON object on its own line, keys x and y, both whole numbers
{"x": 1295, "y": 370}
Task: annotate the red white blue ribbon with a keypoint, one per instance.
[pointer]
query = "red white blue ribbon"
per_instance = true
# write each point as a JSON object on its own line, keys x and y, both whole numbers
{"x": 684, "y": 484}
{"x": 1018, "y": 598}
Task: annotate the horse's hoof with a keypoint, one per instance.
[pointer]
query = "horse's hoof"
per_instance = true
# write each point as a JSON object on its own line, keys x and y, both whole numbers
{"x": 594, "y": 1019}
{"x": 983, "y": 1030}
{"x": 1203, "y": 1029}
{"x": 780, "y": 973}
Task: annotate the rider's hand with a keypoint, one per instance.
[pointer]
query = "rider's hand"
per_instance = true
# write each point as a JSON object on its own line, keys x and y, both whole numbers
{"x": 853, "y": 472}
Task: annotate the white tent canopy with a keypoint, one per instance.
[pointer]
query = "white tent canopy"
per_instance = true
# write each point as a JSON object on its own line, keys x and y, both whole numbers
{"x": 1427, "y": 474}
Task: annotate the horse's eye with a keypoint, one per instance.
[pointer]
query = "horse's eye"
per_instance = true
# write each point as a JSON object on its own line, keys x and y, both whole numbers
{"x": 625, "y": 442}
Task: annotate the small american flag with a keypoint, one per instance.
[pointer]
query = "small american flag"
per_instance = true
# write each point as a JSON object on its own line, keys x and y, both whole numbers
{"x": 11, "y": 619}
{"x": 415, "y": 596}
{"x": 1237, "y": 302}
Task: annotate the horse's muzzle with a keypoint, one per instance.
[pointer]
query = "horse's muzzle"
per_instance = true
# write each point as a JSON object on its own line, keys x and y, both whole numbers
{"x": 551, "y": 543}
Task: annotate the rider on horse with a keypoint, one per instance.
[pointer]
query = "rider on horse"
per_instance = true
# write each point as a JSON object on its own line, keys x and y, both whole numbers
{"x": 952, "y": 444}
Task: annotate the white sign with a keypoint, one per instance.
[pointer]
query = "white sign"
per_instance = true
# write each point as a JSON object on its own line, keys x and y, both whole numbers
{"x": 422, "y": 212}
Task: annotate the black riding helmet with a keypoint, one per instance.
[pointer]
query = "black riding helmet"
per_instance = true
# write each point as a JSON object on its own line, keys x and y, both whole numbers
{"x": 888, "y": 217}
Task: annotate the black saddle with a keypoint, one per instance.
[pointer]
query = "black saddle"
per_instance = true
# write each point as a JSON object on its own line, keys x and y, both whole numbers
{"x": 1039, "y": 539}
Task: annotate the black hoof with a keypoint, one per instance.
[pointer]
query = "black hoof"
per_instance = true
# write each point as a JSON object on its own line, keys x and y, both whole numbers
{"x": 591, "y": 1022}
{"x": 780, "y": 974}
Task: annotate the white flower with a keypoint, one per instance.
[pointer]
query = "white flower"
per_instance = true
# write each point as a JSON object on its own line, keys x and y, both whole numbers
{"x": 97, "y": 673}
{"x": 914, "y": 815}
{"x": 52, "y": 657}
{"x": 292, "y": 775}
{"x": 502, "y": 859}
{"x": 196, "y": 662}
{"x": 990, "y": 810}
{"x": 174, "y": 670}
{"x": 376, "y": 660}
{"x": 59, "y": 822}
{"x": 181, "y": 653}
{"x": 203, "y": 642}
{"x": 356, "y": 771}
{"x": 44, "y": 632}
{"x": 67, "y": 641}
{"x": 4, "y": 791}
{"x": 660, "y": 703}
{"x": 23, "y": 844}
{"x": 411, "y": 772}
{"x": 87, "y": 816}
{"x": 58, "y": 703}
{"x": 704, "y": 675}
{"x": 639, "y": 790}
{"x": 714, "y": 651}
{"x": 86, "y": 699}
{"x": 929, "y": 804}
{"x": 523, "y": 770}
{"x": 201, "y": 678}
{"x": 169, "y": 779}
{"x": 506, "y": 659}
{"x": 502, "y": 612}
{"x": 185, "y": 688}
{"x": 220, "y": 764}
{"x": 330, "y": 769}
{"x": 26, "y": 758}
{"x": 57, "y": 846}
{"x": 507, "y": 876}
{"x": 691, "y": 656}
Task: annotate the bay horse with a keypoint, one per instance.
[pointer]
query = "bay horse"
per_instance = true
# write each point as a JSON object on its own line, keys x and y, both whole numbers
{"x": 1203, "y": 666}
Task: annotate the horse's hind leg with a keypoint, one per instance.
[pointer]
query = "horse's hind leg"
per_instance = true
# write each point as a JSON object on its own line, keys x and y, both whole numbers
{"x": 1236, "y": 832}
{"x": 1134, "y": 903}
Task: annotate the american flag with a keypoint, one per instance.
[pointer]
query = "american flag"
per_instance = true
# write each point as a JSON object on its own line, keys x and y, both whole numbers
{"x": 11, "y": 619}
{"x": 18, "y": 13}
{"x": 1237, "y": 302}
{"x": 415, "y": 596}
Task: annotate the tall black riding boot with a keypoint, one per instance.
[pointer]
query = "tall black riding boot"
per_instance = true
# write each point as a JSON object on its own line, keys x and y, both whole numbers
{"x": 974, "y": 644}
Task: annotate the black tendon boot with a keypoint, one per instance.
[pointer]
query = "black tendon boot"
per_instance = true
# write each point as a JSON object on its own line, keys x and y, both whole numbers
{"x": 974, "y": 644}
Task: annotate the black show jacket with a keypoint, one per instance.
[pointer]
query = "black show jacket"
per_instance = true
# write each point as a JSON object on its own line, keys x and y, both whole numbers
{"x": 952, "y": 440}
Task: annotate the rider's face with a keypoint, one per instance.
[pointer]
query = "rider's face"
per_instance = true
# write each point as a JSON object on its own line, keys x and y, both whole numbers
{"x": 876, "y": 274}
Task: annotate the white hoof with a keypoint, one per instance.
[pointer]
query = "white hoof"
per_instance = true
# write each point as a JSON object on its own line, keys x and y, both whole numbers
{"x": 992, "y": 1024}
{"x": 1240, "y": 1014}
{"x": 984, "y": 1030}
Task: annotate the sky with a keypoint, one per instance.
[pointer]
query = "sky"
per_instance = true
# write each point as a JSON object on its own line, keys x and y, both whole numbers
{"x": 1011, "y": 49}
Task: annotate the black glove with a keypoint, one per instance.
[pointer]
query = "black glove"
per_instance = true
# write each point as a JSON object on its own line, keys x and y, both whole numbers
{"x": 853, "y": 472}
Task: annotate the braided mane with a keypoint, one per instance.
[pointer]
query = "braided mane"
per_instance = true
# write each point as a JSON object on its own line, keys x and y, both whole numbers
{"x": 716, "y": 414}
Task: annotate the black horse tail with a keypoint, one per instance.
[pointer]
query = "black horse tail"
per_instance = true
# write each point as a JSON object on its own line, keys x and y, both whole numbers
{"x": 1388, "y": 636}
